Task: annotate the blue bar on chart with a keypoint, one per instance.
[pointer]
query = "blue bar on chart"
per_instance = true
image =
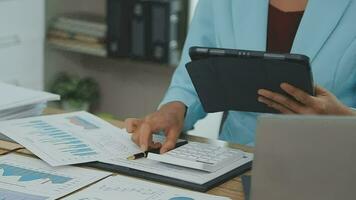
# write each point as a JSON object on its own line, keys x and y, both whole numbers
{"x": 65, "y": 141}
{"x": 78, "y": 121}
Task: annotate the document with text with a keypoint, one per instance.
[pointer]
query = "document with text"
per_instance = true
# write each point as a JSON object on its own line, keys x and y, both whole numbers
{"x": 64, "y": 139}
{"x": 135, "y": 189}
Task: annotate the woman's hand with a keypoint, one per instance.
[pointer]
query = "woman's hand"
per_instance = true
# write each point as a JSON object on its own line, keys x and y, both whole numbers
{"x": 169, "y": 119}
{"x": 324, "y": 103}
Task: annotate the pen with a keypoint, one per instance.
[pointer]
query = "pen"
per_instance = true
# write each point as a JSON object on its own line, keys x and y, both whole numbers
{"x": 144, "y": 154}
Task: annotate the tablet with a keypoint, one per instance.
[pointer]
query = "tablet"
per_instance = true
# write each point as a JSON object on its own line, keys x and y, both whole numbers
{"x": 228, "y": 79}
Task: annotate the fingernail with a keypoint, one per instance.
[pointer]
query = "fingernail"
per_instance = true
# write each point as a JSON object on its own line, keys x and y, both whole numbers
{"x": 285, "y": 86}
{"x": 260, "y": 99}
{"x": 261, "y": 91}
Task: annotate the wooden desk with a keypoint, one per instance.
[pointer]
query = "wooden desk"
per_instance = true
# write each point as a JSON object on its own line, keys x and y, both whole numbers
{"x": 232, "y": 189}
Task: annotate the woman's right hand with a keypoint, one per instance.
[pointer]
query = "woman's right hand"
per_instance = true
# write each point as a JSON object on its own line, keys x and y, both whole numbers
{"x": 323, "y": 103}
{"x": 169, "y": 119}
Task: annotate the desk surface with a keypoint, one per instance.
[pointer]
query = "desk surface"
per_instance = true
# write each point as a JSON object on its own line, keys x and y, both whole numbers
{"x": 232, "y": 189}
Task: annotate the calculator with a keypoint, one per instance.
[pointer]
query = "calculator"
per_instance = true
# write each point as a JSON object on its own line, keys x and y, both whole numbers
{"x": 199, "y": 156}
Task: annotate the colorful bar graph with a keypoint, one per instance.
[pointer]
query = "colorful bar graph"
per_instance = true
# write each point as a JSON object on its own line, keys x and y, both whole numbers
{"x": 60, "y": 140}
{"x": 31, "y": 175}
{"x": 67, "y": 142}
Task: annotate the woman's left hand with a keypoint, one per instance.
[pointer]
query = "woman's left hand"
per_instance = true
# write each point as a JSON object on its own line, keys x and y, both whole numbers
{"x": 323, "y": 103}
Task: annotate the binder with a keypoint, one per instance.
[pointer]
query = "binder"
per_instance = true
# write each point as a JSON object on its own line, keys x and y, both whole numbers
{"x": 151, "y": 30}
{"x": 167, "y": 28}
{"x": 119, "y": 16}
{"x": 159, "y": 40}
{"x": 171, "y": 181}
{"x": 140, "y": 29}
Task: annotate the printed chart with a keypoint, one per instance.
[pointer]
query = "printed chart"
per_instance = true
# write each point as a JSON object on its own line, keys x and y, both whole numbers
{"x": 26, "y": 175}
{"x": 24, "y": 178}
{"x": 65, "y": 141}
{"x": 61, "y": 139}
{"x": 134, "y": 189}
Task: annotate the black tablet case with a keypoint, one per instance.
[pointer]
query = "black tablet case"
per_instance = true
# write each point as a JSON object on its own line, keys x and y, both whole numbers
{"x": 171, "y": 181}
{"x": 231, "y": 83}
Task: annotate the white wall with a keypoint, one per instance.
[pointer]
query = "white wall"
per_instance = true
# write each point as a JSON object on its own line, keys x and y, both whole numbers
{"x": 22, "y": 42}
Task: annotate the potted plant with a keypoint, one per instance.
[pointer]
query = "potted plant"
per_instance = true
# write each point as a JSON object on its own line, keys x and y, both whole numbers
{"x": 76, "y": 93}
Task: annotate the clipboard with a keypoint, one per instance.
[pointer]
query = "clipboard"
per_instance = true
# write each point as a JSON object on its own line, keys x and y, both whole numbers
{"x": 171, "y": 181}
{"x": 177, "y": 182}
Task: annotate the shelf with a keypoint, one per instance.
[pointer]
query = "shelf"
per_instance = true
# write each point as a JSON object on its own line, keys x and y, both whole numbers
{"x": 98, "y": 51}
{"x": 78, "y": 47}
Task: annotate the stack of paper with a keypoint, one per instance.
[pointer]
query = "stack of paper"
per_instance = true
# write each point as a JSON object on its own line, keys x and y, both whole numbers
{"x": 17, "y": 102}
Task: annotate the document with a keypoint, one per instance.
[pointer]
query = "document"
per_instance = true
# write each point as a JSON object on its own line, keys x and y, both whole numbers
{"x": 125, "y": 147}
{"x": 65, "y": 139}
{"x": 29, "y": 178}
{"x": 121, "y": 187}
{"x": 80, "y": 137}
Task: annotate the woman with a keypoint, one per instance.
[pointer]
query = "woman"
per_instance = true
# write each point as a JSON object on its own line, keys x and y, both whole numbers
{"x": 324, "y": 30}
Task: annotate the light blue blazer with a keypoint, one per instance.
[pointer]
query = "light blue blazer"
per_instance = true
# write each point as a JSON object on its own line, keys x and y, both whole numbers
{"x": 327, "y": 34}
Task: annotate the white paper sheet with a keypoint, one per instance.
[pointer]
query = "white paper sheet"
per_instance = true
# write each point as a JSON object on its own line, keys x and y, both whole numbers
{"x": 30, "y": 178}
{"x": 13, "y": 96}
{"x": 63, "y": 139}
{"x": 121, "y": 187}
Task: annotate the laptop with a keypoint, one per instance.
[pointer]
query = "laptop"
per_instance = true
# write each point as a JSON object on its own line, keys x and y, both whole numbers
{"x": 304, "y": 157}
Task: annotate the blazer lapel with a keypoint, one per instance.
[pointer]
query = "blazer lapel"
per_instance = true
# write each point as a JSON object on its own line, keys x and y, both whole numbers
{"x": 250, "y": 23}
{"x": 319, "y": 21}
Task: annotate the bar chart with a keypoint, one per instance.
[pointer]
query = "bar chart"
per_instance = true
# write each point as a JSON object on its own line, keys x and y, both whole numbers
{"x": 31, "y": 174}
{"x": 63, "y": 140}
{"x": 59, "y": 139}
{"x": 26, "y": 178}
